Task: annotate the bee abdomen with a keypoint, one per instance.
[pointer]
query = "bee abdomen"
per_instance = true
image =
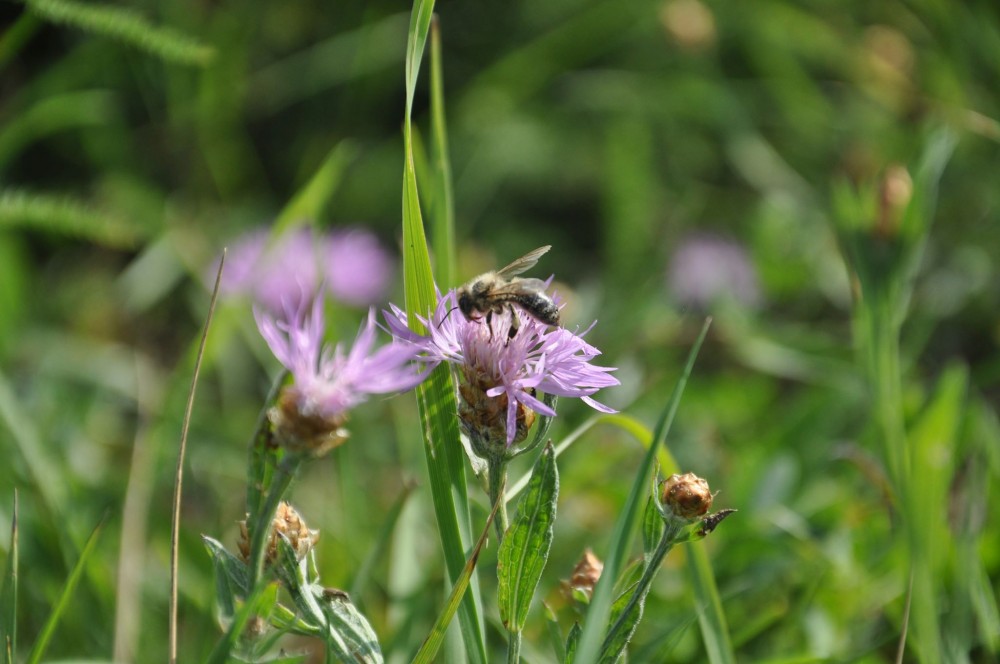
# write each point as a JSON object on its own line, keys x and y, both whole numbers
{"x": 540, "y": 306}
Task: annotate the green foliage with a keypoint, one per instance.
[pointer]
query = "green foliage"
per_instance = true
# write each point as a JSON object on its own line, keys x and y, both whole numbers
{"x": 124, "y": 25}
{"x": 138, "y": 139}
{"x": 525, "y": 548}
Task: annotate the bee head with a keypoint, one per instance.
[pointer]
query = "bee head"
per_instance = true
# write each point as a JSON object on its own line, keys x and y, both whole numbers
{"x": 465, "y": 303}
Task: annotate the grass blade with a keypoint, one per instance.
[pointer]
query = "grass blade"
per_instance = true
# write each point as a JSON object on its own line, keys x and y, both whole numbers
{"x": 66, "y": 216}
{"x": 64, "y": 600}
{"x": 434, "y": 640}
{"x": 124, "y": 25}
{"x": 175, "y": 525}
{"x": 8, "y": 599}
{"x": 309, "y": 202}
{"x": 436, "y": 396}
{"x": 600, "y": 606}
{"x": 260, "y": 603}
{"x": 442, "y": 209}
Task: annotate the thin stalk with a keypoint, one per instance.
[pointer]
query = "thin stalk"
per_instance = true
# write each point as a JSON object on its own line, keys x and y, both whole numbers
{"x": 497, "y": 475}
{"x": 663, "y": 547}
{"x": 283, "y": 476}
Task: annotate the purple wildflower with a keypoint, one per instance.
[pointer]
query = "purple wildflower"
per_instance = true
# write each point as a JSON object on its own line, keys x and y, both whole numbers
{"x": 706, "y": 268}
{"x": 330, "y": 381}
{"x": 289, "y": 271}
{"x": 498, "y": 373}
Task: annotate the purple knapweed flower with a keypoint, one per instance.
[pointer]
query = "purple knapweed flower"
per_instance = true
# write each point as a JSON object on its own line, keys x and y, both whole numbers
{"x": 499, "y": 376}
{"x": 706, "y": 268}
{"x": 350, "y": 264}
{"x": 328, "y": 382}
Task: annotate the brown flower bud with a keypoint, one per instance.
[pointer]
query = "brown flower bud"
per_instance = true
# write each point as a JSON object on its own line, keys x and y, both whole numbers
{"x": 286, "y": 522}
{"x": 298, "y": 432}
{"x": 687, "y": 496}
{"x": 585, "y": 575}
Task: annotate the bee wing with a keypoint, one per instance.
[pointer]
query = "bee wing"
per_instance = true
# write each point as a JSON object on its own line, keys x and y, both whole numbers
{"x": 519, "y": 287}
{"x": 525, "y": 262}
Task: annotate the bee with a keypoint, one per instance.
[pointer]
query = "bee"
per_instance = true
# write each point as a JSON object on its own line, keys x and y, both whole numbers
{"x": 491, "y": 292}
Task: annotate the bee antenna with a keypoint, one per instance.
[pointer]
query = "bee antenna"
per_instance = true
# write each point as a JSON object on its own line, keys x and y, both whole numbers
{"x": 446, "y": 316}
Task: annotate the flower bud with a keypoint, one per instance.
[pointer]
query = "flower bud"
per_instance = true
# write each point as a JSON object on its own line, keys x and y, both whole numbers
{"x": 291, "y": 525}
{"x": 687, "y": 496}
{"x": 484, "y": 418}
{"x": 314, "y": 433}
{"x": 584, "y": 578}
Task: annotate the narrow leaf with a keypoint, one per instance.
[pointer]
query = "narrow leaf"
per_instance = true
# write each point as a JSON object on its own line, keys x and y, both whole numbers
{"x": 8, "y": 599}
{"x": 621, "y": 540}
{"x": 436, "y": 396}
{"x": 310, "y": 202}
{"x": 67, "y": 595}
{"x": 442, "y": 211}
{"x": 652, "y": 526}
{"x": 434, "y": 640}
{"x": 230, "y": 579}
{"x": 525, "y": 548}
{"x": 124, "y": 25}
{"x": 66, "y": 216}
{"x": 260, "y": 603}
{"x": 614, "y": 647}
{"x": 572, "y": 643}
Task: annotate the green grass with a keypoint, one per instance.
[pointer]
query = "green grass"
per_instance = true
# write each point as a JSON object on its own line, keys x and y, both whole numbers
{"x": 849, "y": 413}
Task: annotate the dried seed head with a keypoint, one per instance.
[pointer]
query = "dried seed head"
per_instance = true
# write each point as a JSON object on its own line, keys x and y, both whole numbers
{"x": 291, "y": 525}
{"x": 687, "y": 496}
{"x": 314, "y": 433}
{"x": 585, "y": 575}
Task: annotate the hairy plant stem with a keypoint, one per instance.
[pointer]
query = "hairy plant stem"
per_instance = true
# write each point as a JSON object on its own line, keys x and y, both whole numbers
{"x": 497, "y": 475}
{"x": 667, "y": 540}
{"x": 283, "y": 476}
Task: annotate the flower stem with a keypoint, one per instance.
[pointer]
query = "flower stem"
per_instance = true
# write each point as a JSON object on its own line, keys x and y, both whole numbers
{"x": 283, "y": 476}
{"x": 497, "y": 482}
{"x": 667, "y": 541}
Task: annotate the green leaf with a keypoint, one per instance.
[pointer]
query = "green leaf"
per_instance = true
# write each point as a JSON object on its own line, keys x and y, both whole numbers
{"x": 442, "y": 208}
{"x": 8, "y": 598}
{"x": 433, "y": 642}
{"x": 614, "y": 647}
{"x": 65, "y": 598}
{"x": 599, "y": 612}
{"x": 554, "y": 634}
{"x": 525, "y": 548}
{"x": 124, "y": 25}
{"x": 310, "y": 201}
{"x": 436, "y": 396}
{"x": 260, "y": 603}
{"x": 66, "y": 216}
{"x": 231, "y": 579}
{"x": 652, "y": 526}
{"x": 572, "y": 643}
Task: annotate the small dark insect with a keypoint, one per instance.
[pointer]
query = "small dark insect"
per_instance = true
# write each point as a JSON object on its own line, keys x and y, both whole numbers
{"x": 490, "y": 292}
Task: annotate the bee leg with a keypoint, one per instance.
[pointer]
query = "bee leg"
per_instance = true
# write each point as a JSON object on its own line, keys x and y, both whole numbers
{"x": 489, "y": 322}
{"x": 515, "y": 324}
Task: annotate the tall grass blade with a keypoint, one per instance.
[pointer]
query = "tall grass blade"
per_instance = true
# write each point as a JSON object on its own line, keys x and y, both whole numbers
{"x": 599, "y": 612}
{"x": 309, "y": 202}
{"x": 62, "y": 215}
{"x": 436, "y": 396}
{"x": 8, "y": 598}
{"x": 175, "y": 525}
{"x": 124, "y": 25}
{"x": 442, "y": 209}
{"x": 65, "y": 598}
{"x": 432, "y": 644}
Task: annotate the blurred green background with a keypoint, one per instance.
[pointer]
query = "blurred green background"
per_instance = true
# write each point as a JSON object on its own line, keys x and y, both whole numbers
{"x": 631, "y": 136}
